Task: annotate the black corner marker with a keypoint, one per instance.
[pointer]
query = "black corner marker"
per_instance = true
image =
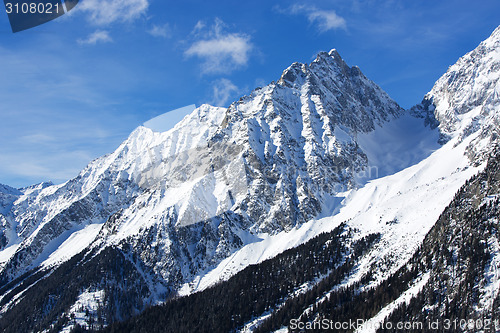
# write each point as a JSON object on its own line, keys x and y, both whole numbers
{"x": 70, "y": 4}
{"x": 26, "y": 14}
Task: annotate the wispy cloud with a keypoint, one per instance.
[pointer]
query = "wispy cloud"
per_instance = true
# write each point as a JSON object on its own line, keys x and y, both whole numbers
{"x": 36, "y": 167}
{"x": 199, "y": 26}
{"x": 160, "y": 31}
{"x": 109, "y": 11}
{"x": 221, "y": 51}
{"x": 324, "y": 19}
{"x": 99, "y": 36}
{"x": 223, "y": 90}
{"x": 38, "y": 138}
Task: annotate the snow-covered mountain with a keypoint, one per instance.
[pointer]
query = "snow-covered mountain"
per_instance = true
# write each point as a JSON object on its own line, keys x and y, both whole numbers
{"x": 174, "y": 212}
{"x": 266, "y": 164}
{"x": 465, "y": 100}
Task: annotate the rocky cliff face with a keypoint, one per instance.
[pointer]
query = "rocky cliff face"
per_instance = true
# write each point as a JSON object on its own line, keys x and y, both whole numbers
{"x": 299, "y": 138}
{"x": 466, "y": 99}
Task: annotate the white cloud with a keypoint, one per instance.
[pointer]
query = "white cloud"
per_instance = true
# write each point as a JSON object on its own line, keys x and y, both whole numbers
{"x": 325, "y": 19}
{"x": 222, "y": 52}
{"x": 160, "y": 31}
{"x": 109, "y": 11}
{"x": 223, "y": 90}
{"x": 99, "y": 36}
{"x": 200, "y": 25}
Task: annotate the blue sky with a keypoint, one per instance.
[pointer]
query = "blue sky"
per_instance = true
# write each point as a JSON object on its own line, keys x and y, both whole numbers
{"x": 74, "y": 88}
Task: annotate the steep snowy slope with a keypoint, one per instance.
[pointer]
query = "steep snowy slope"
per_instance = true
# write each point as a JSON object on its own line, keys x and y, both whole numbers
{"x": 456, "y": 284}
{"x": 402, "y": 207}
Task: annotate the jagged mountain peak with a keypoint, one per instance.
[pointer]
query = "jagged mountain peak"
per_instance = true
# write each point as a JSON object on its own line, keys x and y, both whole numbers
{"x": 465, "y": 100}
{"x": 331, "y": 60}
{"x": 5, "y": 189}
{"x": 331, "y": 89}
